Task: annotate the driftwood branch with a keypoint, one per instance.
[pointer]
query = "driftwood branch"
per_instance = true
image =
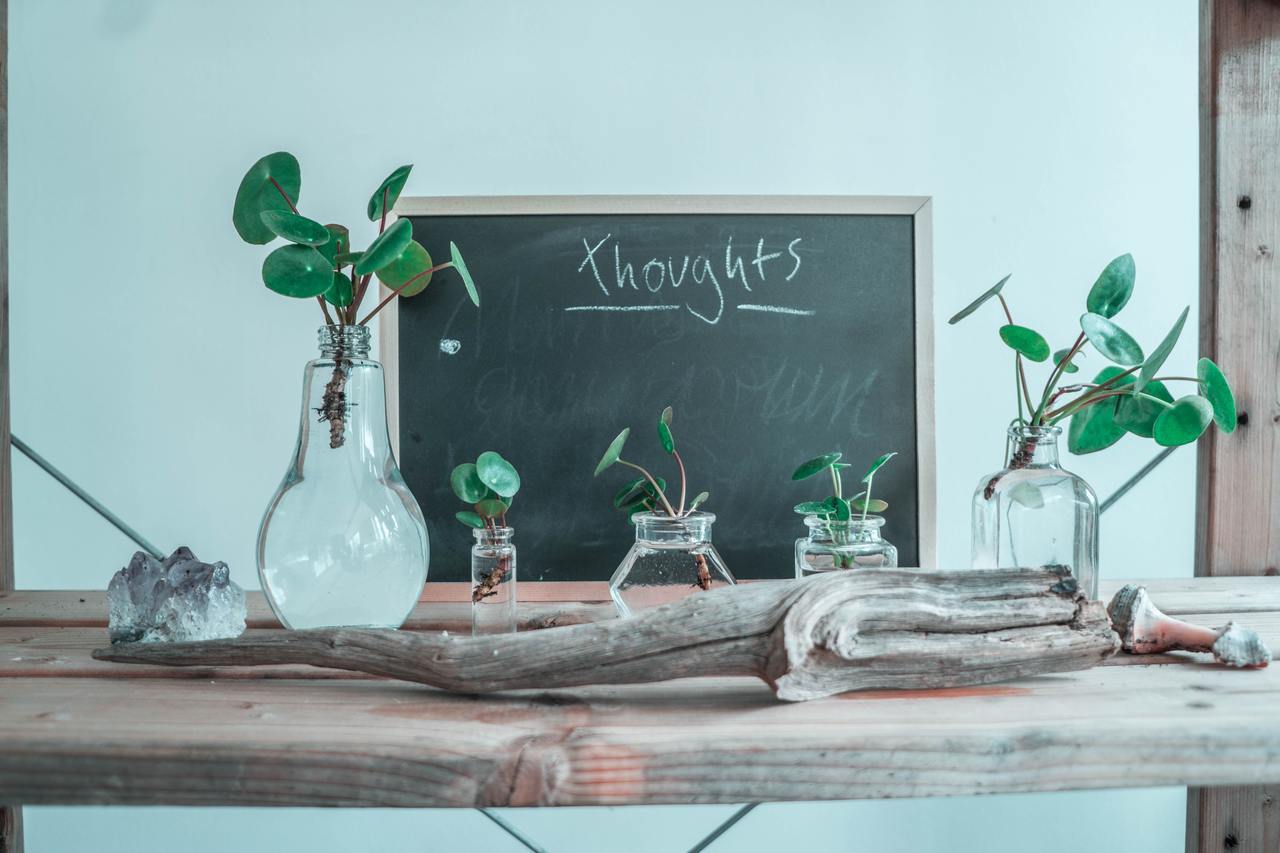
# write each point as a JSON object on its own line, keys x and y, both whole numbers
{"x": 855, "y": 630}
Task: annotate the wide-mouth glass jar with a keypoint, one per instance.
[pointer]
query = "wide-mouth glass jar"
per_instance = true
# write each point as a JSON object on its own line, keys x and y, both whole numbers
{"x": 671, "y": 558}
{"x": 852, "y": 544}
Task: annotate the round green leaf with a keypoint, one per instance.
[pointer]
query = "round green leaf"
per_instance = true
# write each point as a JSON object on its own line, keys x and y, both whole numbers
{"x": 298, "y": 271}
{"x": 842, "y": 510}
{"x": 977, "y": 303}
{"x": 1111, "y": 340}
{"x": 498, "y": 474}
{"x": 467, "y": 484}
{"x": 412, "y": 263}
{"x": 461, "y": 266}
{"x": 1137, "y": 414}
{"x": 1157, "y": 358}
{"x": 470, "y": 519}
{"x": 1214, "y": 386}
{"x": 343, "y": 259}
{"x": 877, "y": 465}
{"x": 388, "y": 190}
{"x": 1093, "y": 428}
{"x": 386, "y": 247}
{"x": 699, "y": 500}
{"x": 492, "y": 508}
{"x": 1029, "y": 342}
{"x": 874, "y": 505}
{"x": 339, "y": 293}
{"x": 816, "y": 465}
{"x": 651, "y": 491}
{"x": 1182, "y": 424}
{"x": 1070, "y": 366}
{"x": 1113, "y": 288}
{"x": 812, "y": 508}
{"x": 295, "y": 228}
{"x": 257, "y": 194}
{"x": 629, "y": 493}
{"x": 339, "y": 242}
{"x": 612, "y": 453}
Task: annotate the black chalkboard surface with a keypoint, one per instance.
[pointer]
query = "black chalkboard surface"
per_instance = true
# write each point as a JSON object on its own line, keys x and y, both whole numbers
{"x": 778, "y": 329}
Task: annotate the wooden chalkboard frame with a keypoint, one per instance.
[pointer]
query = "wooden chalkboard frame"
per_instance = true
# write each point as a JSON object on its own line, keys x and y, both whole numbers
{"x": 917, "y": 207}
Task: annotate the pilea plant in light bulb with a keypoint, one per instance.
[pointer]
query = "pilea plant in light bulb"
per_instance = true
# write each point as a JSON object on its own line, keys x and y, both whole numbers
{"x": 843, "y": 532}
{"x": 343, "y": 541}
{"x": 672, "y": 554}
{"x": 1032, "y": 512}
{"x": 488, "y": 486}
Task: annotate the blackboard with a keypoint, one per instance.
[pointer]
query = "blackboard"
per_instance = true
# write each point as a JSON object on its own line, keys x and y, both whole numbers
{"x": 777, "y": 328}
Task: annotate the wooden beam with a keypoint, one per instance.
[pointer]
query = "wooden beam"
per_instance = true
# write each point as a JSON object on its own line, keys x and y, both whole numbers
{"x": 1238, "y": 487}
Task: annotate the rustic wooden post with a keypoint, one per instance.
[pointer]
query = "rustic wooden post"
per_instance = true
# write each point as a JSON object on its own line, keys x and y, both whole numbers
{"x": 1239, "y": 490}
{"x": 10, "y": 816}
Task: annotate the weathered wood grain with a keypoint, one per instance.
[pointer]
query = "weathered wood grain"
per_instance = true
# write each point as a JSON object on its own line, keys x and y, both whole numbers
{"x": 447, "y": 612}
{"x": 1239, "y": 475}
{"x": 891, "y": 628}
{"x": 701, "y": 740}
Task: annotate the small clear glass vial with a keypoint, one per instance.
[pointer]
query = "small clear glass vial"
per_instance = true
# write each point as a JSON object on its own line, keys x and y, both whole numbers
{"x": 835, "y": 545}
{"x": 493, "y": 582}
{"x": 671, "y": 558}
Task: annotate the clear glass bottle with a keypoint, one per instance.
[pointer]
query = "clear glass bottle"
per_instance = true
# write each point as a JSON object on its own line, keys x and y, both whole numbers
{"x": 671, "y": 558}
{"x": 343, "y": 541}
{"x": 852, "y": 544}
{"x": 493, "y": 582}
{"x": 1033, "y": 512}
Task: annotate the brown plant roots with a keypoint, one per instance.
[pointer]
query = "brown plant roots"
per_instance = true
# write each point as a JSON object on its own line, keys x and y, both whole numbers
{"x": 704, "y": 572}
{"x": 1021, "y": 459}
{"x": 489, "y": 586}
{"x": 333, "y": 405}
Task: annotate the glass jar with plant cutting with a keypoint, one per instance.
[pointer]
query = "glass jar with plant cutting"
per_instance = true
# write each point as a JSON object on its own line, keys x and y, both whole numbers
{"x": 489, "y": 485}
{"x": 1033, "y": 512}
{"x": 342, "y": 541}
{"x": 672, "y": 555}
{"x": 843, "y": 534}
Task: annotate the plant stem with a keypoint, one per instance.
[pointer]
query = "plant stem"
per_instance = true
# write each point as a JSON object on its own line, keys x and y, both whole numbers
{"x": 866, "y": 498}
{"x": 835, "y": 481}
{"x": 280, "y": 190}
{"x": 325, "y": 308}
{"x": 661, "y": 494}
{"x": 393, "y": 294}
{"x": 1058, "y": 370}
{"x": 1017, "y": 390}
{"x": 1022, "y": 376}
{"x": 680, "y": 462}
{"x": 1090, "y": 399}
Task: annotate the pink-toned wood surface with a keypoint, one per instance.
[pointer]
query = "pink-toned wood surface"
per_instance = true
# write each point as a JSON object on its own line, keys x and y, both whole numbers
{"x": 75, "y": 730}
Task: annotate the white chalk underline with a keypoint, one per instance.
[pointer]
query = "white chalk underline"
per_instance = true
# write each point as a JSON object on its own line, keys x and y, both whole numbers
{"x": 778, "y": 309}
{"x": 771, "y": 309}
{"x": 623, "y": 308}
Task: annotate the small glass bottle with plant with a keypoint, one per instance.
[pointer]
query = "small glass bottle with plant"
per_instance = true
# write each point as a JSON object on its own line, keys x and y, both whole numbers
{"x": 843, "y": 533}
{"x": 672, "y": 555}
{"x": 488, "y": 485}
{"x": 342, "y": 541}
{"x": 1033, "y": 512}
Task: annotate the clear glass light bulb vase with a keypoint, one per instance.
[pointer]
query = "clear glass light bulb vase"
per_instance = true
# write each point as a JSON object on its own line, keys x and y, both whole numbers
{"x": 671, "y": 558}
{"x": 343, "y": 541}
{"x": 1033, "y": 512}
{"x": 493, "y": 582}
{"x": 834, "y": 545}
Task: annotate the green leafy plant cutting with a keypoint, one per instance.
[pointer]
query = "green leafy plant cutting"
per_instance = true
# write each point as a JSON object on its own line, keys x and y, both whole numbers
{"x": 648, "y": 493}
{"x": 836, "y": 507}
{"x": 1129, "y": 395}
{"x": 488, "y": 486}
{"x": 317, "y": 261}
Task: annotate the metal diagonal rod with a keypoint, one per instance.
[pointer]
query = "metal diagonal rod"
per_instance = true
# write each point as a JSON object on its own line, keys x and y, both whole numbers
{"x": 722, "y": 828}
{"x": 75, "y": 489}
{"x": 511, "y": 830}
{"x": 1135, "y": 479}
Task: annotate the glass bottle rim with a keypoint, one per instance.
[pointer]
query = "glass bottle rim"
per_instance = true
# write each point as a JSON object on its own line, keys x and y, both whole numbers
{"x": 653, "y": 520}
{"x": 1025, "y": 431}
{"x": 872, "y": 522}
{"x": 490, "y": 534}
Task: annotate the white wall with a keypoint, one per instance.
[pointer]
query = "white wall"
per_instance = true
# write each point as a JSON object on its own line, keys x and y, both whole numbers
{"x": 151, "y": 365}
